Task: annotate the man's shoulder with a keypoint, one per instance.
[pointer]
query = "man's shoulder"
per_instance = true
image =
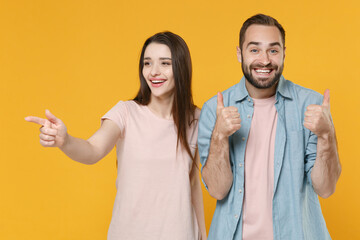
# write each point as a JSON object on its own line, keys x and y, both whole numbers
{"x": 303, "y": 94}
{"x": 228, "y": 95}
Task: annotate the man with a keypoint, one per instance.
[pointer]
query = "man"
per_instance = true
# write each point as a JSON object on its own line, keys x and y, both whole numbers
{"x": 267, "y": 147}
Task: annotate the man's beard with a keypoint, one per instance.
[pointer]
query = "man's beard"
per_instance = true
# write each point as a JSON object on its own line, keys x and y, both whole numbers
{"x": 262, "y": 84}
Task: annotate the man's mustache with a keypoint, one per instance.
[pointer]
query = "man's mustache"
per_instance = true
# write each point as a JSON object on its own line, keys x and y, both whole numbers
{"x": 270, "y": 66}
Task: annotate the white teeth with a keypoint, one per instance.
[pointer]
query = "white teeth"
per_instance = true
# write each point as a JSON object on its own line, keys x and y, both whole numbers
{"x": 262, "y": 71}
{"x": 157, "y": 81}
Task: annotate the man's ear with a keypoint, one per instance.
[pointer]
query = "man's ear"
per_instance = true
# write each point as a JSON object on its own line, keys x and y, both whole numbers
{"x": 284, "y": 52}
{"x": 238, "y": 53}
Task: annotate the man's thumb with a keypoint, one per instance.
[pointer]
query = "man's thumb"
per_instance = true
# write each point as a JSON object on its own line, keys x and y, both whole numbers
{"x": 326, "y": 99}
{"x": 220, "y": 100}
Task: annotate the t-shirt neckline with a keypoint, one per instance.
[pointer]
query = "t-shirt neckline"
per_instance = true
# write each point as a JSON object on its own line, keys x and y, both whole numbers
{"x": 157, "y": 116}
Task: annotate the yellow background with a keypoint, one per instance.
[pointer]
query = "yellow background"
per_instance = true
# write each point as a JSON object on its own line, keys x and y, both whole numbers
{"x": 78, "y": 58}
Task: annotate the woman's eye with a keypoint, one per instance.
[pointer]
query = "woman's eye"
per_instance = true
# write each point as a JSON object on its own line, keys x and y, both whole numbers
{"x": 146, "y": 63}
{"x": 166, "y": 63}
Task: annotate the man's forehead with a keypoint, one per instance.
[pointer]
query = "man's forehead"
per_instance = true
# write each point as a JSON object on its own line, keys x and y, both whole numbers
{"x": 262, "y": 34}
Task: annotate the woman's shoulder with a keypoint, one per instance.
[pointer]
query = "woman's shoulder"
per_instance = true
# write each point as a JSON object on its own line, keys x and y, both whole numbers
{"x": 195, "y": 118}
{"x": 128, "y": 104}
{"x": 197, "y": 113}
{"x": 125, "y": 108}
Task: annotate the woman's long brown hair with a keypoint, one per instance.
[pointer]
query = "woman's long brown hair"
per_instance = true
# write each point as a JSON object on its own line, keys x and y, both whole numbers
{"x": 183, "y": 109}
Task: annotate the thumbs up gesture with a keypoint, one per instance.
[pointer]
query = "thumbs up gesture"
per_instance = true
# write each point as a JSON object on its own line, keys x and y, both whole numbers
{"x": 53, "y": 131}
{"x": 227, "y": 118}
{"x": 317, "y": 117}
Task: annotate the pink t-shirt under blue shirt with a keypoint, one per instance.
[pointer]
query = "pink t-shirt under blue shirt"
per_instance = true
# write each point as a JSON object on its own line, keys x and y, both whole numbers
{"x": 296, "y": 208}
{"x": 259, "y": 172}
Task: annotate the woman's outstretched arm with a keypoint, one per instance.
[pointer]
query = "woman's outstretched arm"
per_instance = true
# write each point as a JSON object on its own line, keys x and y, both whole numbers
{"x": 53, "y": 133}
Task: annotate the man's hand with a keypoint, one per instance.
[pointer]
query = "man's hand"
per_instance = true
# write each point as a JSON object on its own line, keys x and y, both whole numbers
{"x": 227, "y": 119}
{"x": 53, "y": 132}
{"x": 217, "y": 173}
{"x": 327, "y": 169}
{"x": 318, "y": 119}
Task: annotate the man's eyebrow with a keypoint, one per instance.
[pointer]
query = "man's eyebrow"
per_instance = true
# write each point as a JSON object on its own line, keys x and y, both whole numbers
{"x": 253, "y": 43}
{"x": 275, "y": 44}
{"x": 258, "y": 43}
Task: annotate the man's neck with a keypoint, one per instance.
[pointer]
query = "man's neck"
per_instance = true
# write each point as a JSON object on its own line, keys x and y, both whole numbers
{"x": 259, "y": 93}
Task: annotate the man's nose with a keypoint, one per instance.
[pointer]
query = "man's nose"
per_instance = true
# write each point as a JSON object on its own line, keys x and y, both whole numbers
{"x": 265, "y": 59}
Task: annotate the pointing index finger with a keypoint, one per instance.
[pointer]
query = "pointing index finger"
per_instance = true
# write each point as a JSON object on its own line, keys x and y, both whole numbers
{"x": 36, "y": 120}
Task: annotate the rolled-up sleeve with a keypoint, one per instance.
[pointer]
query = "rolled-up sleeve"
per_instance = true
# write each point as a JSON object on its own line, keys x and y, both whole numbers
{"x": 206, "y": 126}
{"x": 311, "y": 148}
{"x": 310, "y": 155}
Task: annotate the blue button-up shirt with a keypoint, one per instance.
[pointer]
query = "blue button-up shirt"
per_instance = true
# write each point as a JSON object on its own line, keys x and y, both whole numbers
{"x": 296, "y": 208}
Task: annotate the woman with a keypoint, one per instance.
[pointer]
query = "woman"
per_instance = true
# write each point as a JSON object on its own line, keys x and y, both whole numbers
{"x": 158, "y": 188}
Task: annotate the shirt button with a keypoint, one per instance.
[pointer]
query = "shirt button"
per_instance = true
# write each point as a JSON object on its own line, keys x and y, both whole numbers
{"x": 236, "y": 216}
{"x": 249, "y": 100}
{"x": 248, "y": 116}
{"x": 240, "y": 165}
{"x": 240, "y": 191}
{"x": 243, "y": 138}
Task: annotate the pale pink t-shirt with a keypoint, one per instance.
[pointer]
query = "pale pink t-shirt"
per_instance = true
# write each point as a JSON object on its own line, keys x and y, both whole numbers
{"x": 153, "y": 199}
{"x": 259, "y": 172}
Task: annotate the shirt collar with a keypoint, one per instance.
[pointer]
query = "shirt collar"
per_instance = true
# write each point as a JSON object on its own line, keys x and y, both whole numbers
{"x": 283, "y": 89}
{"x": 241, "y": 91}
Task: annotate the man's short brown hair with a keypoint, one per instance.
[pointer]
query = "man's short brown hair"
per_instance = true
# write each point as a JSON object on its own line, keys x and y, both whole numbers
{"x": 260, "y": 19}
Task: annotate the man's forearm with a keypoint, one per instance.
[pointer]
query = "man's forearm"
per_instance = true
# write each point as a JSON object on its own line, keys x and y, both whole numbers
{"x": 217, "y": 172}
{"x": 327, "y": 168}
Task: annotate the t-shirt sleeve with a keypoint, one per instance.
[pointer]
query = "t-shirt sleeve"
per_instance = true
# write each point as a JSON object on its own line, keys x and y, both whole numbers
{"x": 118, "y": 114}
{"x": 206, "y": 126}
{"x": 195, "y": 129}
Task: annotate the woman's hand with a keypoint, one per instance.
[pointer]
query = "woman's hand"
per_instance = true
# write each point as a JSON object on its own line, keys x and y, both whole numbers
{"x": 53, "y": 132}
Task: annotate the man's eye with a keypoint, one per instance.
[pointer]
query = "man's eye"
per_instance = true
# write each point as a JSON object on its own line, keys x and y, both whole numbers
{"x": 254, "y": 50}
{"x": 273, "y": 51}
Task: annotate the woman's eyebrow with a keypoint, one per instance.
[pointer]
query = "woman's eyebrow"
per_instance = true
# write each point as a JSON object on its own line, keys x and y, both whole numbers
{"x": 162, "y": 58}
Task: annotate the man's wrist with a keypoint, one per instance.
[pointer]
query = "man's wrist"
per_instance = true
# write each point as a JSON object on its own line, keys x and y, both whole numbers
{"x": 218, "y": 136}
{"x": 327, "y": 136}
